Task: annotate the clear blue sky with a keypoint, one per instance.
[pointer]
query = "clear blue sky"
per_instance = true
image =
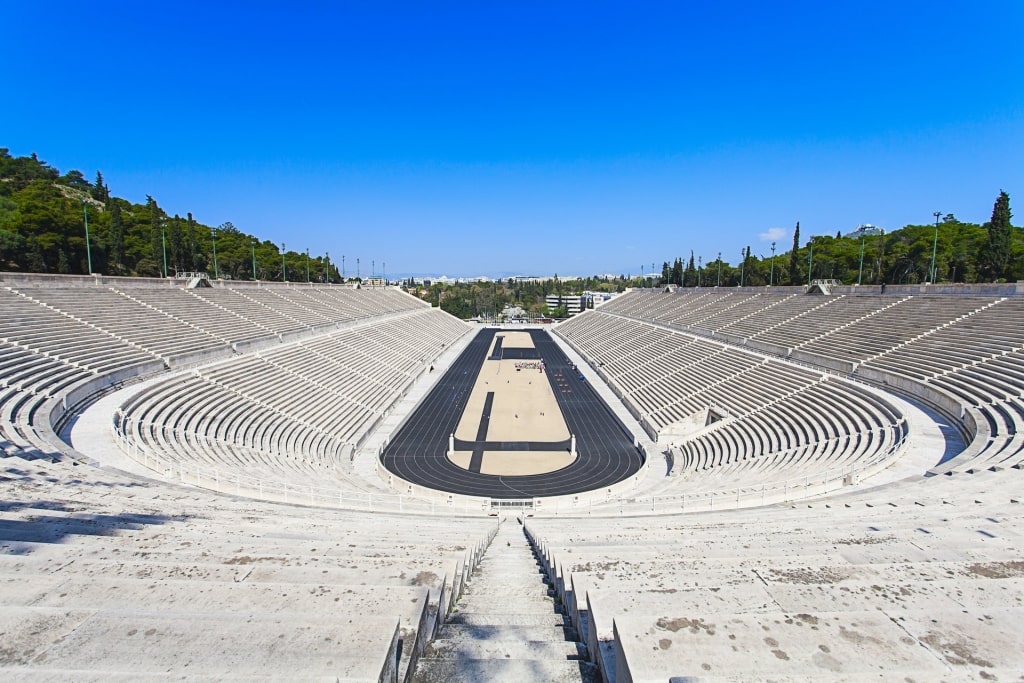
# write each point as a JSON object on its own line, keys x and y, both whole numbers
{"x": 527, "y": 137}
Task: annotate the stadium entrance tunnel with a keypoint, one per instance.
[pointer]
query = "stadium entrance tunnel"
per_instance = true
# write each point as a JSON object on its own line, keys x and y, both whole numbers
{"x": 513, "y": 418}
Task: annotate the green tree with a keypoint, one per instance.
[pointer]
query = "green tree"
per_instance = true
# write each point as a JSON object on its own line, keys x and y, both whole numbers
{"x": 999, "y": 247}
{"x": 100, "y": 192}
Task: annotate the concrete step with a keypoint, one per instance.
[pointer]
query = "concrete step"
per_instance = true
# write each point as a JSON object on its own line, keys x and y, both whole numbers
{"x": 501, "y": 670}
{"x": 508, "y": 619}
{"x": 525, "y": 632}
{"x": 457, "y": 648}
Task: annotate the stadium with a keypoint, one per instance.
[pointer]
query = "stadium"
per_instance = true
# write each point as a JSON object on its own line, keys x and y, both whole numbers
{"x": 215, "y": 479}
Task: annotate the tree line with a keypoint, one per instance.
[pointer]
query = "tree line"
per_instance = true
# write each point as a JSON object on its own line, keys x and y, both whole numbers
{"x": 43, "y": 219}
{"x": 963, "y": 252}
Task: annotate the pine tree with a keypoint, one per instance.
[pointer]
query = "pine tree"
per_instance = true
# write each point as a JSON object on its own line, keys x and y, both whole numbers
{"x": 794, "y": 257}
{"x": 997, "y": 253}
{"x": 100, "y": 192}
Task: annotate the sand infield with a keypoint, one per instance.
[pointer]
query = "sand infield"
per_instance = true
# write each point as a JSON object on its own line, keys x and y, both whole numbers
{"x": 523, "y": 409}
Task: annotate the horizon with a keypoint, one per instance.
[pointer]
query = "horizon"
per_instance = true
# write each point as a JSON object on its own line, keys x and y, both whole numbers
{"x": 527, "y": 139}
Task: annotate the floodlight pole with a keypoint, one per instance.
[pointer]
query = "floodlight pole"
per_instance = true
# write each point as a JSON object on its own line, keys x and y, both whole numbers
{"x": 253, "y": 245}
{"x": 216, "y": 273}
{"x": 88, "y": 247}
{"x": 810, "y": 259}
{"x": 718, "y": 283}
{"x": 860, "y": 273}
{"x": 307, "y": 265}
{"x": 743, "y": 263}
{"x": 284, "y": 266}
{"x": 342, "y": 267}
{"x": 935, "y": 244}
{"x": 700, "y": 264}
{"x": 163, "y": 242}
{"x": 771, "y": 274}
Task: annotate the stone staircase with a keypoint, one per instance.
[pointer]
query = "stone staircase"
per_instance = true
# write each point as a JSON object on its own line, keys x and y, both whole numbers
{"x": 506, "y": 625}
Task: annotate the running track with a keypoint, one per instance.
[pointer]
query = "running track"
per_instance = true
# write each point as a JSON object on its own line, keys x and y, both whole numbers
{"x": 605, "y": 447}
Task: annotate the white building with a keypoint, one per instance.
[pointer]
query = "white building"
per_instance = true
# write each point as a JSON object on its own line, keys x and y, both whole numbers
{"x": 574, "y": 303}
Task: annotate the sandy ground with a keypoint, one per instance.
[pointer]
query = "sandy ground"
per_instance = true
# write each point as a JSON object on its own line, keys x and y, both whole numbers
{"x": 524, "y": 407}
{"x": 513, "y": 340}
{"x": 511, "y": 463}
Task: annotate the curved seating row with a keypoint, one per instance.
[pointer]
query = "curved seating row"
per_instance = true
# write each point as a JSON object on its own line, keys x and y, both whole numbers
{"x": 969, "y": 348}
{"x": 297, "y": 411}
{"x": 783, "y": 419}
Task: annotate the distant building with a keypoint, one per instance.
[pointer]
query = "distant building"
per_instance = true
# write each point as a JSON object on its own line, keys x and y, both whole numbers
{"x": 865, "y": 230}
{"x": 573, "y": 303}
{"x": 597, "y": 299}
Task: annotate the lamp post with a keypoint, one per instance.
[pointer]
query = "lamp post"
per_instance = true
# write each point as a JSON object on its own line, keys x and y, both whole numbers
{"x": 358, "y": 274}
{"x": 743, "y": 263}
{"x": 935, "y": 244}
{"x": 327, "y": 260}
{"x": 384, "y": 274}
{"x": 163, "y": 242}
{"x": 307, "y": 265}
{"x": 253, "y": 245}
{"x": 342, "y": 267}
{"x": 718, "y": 283}
{"x": 860, "y": 273}
{"x": 216, "y": 273}
{"x": 810, "y": 259}
{"x": 88, "y": 247}
{"x": 284, "y": 266}
{"x": 641, "y": 276}
{"x": 700, "y": 264}
{"x": 771, "y": 274}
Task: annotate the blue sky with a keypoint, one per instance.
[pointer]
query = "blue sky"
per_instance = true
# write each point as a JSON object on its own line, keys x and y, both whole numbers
{"x": 527, "y": 137}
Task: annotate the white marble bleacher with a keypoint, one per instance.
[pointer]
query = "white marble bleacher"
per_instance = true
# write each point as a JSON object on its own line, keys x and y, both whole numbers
{"x": 834, "y": 312}
{"x": 890, "y": 326}
{"x": 199, "y": 312}
{"x": 127, "y": 320}
{"x": 90, "y": 591}
{"x": 962, "y": 345}
{"x": 918, "y": 581}
{"x": 271, "y": 318}
{"x": 108, "y": 577}
{"x": 825, "y": 427}
{"x": 298, "y": 410}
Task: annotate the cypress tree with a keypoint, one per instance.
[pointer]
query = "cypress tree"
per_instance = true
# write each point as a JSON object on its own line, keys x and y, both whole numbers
{"x": 997, "y": 253}
{"x": 794, "y": 257}
{"x": 100, "y": 192}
